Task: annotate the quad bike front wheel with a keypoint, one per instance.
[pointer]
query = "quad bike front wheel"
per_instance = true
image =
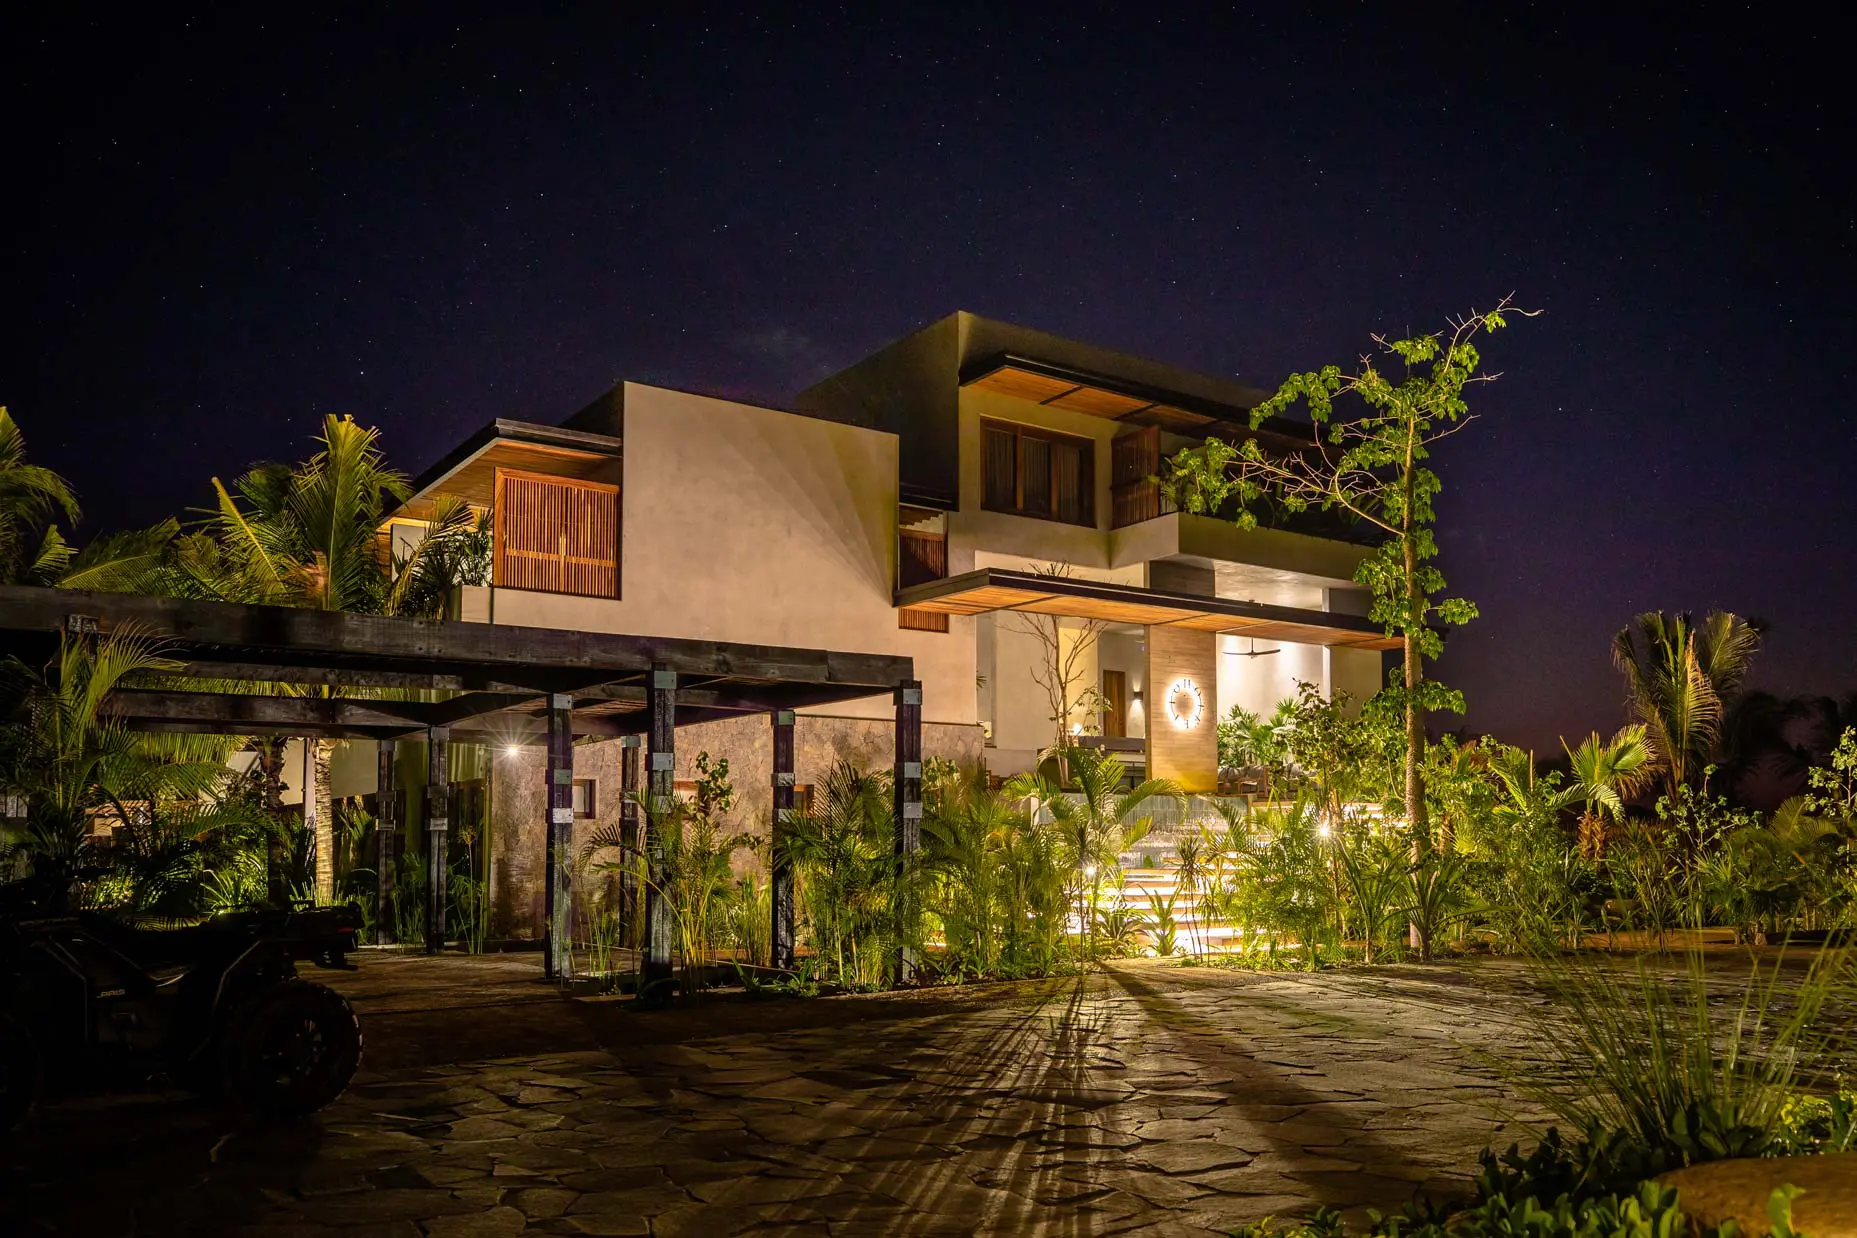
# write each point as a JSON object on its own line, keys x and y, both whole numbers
{"x": 292, "y": 1049}
{"x": 22, "y": 1073}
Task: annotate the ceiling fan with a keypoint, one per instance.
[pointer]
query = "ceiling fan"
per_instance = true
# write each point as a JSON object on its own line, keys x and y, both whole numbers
{"x": 1253, "y": 651}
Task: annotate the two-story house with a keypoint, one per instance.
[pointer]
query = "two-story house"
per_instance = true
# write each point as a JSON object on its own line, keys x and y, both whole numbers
{"x": 916, "y": 503}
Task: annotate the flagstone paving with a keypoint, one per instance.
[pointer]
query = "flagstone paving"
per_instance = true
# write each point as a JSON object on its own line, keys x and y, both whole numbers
{"x": 1144, "y": 1099}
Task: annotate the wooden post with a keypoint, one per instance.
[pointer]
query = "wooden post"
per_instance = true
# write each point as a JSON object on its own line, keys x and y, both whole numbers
{"x": 558, "y": 952}
{"x": 908, "y": 810}
{"x": 630, "y": 835}
{"x": 661, "y": 784}
{"x": 386, "y": 827}
{"x": 781, "y": 864}
{"x": 438, "y": 828}
{"x": 312, "y": 845}
{"x": 270, "y": 752}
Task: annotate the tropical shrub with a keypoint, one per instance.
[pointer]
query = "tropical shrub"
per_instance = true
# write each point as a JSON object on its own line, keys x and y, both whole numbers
{"x": 995, "y": 879}
{"x": 843, "y": 857}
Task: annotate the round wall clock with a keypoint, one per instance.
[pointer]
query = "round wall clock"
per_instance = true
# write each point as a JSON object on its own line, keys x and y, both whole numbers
{"x": 1185, "y": 705}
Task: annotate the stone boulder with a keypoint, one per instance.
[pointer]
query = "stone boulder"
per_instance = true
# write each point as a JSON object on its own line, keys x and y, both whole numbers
{"x": 1738, "y": 1191}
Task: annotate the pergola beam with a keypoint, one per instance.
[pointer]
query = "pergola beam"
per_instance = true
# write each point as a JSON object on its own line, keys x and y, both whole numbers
{"x": 279, "y": 637}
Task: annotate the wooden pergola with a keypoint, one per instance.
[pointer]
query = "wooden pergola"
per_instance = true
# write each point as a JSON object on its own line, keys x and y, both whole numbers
{"x": 280, "y": 671}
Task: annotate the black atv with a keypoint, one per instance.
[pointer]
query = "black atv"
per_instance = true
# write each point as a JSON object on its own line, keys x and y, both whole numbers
{"x": 86, "y": 1000}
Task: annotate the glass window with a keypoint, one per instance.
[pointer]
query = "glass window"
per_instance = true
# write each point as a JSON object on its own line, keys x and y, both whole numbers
{"x": 1039, "y": 473}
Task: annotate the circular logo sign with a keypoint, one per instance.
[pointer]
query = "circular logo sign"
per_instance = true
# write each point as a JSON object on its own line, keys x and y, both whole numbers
{"x": 1184, "y": 704}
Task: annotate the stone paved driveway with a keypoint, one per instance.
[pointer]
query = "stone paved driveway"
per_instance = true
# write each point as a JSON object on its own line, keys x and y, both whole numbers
{"x": 1146, "y": 1099}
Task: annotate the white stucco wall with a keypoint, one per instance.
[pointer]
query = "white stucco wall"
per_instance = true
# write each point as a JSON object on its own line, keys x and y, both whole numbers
{"x": 1356, "y": 672}
{"x": 1027, "y": 537}
{"x": 747, "y": 524}
{"x": 1259, "y": 683}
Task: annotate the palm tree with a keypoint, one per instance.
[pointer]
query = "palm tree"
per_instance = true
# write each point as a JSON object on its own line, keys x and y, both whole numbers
{"x": 1680, "y": 677}
{"x": 308, "y": 535}
{"x": 62, "y": 752}
{"x": 33, "y": 550}
{"x": 1098, "y": 822}
{"x": 1605, "y": 772}
{"x": 304, "y": 536}
{"x": 842, "y": 854}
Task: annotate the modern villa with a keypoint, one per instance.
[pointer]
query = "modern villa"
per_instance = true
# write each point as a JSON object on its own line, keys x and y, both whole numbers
{"x": 977, "y": 497}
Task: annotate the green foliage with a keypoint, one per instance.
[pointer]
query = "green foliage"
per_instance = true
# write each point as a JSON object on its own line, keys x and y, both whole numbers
{"x": 1251, "y": 741}
{"x": 1286, "y": 883}
{"x": 1371, "y": 464}
{"x": 1375, "y": 878}
{"x": 409, "y": 899}
{"x": 1680, "y": 677}
{"x": 1530, "y": 881}
{"x": 1118, "y": 929}
{"x": 1833, "y": 791}
{"x": 185, "y": 841}
{"x": 1656, "y": 1060}
{"x": 1162, "y": 927}
{"x": 1557, "y": 1190}
{"x": 996, "y": 879}
{"x": 1604, "y": 774}
{"x": 748, "y": 919}
{"x": 1820, "y": 1123}
{"x": 454, "y": 552}
{"x": 715, "y": 791}
{"x": 843, "y": 859}
{"x": 32, "y": 550}
{"x": 1094, "y": 818}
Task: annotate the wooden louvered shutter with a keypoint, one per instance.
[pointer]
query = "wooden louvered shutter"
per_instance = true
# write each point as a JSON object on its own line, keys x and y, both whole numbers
{"x": 556, "y": 535}
{"x": 1001, "y": 481}
{"x": 1135, "y": 458}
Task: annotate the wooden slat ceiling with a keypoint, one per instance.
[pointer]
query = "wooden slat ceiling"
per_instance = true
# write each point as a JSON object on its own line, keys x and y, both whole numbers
{"x": 1164, "y": 611}
{"x": 1021, "y": 384}
{"x": 475, "y": 480}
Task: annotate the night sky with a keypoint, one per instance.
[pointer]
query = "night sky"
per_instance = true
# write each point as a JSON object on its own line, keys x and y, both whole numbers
{"x": 225, "y": 227}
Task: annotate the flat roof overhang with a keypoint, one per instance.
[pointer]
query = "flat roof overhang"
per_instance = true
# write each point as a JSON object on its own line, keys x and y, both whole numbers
{"x": 469, "y": 469}
{"x": 994, "y": 589}
{"x": 1114, "y": 399}
{"x": 341, "y": 676}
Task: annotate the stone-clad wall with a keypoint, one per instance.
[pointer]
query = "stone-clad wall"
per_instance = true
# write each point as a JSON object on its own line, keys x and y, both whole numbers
{"x": 519, "y": 838}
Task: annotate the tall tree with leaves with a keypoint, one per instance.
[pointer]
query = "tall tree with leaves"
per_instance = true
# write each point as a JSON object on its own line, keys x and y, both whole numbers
{"x": 1368, "y": 460}
{"x": 304, "y": 535}
{"x": 33, "y": 549}
{"x": 1680, "y": 677}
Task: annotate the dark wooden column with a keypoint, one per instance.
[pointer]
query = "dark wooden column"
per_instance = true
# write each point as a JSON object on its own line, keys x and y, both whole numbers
{"x": 386, "y": 829}
{"x": 270, "y": 752}
{"x": 908, "y": 808}
{"x": 661, "y": 785}
{"x": 631, "y": 836}
{"x": 438, "y": 833}
{"x": 781, "y": 864}
{"x": 558, "y": 950}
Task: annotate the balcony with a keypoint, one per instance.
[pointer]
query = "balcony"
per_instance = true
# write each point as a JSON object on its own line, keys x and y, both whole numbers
{"x": 554, "y": 499}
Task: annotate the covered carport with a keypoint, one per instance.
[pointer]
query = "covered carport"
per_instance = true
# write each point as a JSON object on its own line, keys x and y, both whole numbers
{"x": 281, "y": 671}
